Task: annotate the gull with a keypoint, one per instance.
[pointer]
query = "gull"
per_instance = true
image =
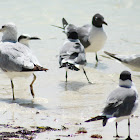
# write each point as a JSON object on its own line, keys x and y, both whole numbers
{"x": 16, "y": 59}
{"x": 72, "y": 54}
{"x": 121, "y": 103}
{"x": 25, "y": 38}
{"x": 92, "y": 36}
{"x": 132, "y": 61}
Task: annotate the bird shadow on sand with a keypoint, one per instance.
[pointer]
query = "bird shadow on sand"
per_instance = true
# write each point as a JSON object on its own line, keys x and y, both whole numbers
{"x": 73, "y": 85}
{"x": 27, "y": 103}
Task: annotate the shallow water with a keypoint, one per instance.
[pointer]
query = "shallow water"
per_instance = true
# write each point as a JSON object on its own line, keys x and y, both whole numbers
{"x": 59, "y": 103}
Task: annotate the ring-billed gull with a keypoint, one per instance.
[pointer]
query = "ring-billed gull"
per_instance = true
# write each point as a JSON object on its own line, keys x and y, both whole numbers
{"x": 16, "y": 59}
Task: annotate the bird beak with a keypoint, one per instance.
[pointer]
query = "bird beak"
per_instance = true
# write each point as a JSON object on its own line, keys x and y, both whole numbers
{"x": 34, "y": 38}
{"x": 104, "y": 23}
{"x": 1, "y": 30}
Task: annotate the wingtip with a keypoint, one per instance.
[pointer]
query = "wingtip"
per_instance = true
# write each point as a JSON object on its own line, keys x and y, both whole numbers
{"x": 108, "y": 53}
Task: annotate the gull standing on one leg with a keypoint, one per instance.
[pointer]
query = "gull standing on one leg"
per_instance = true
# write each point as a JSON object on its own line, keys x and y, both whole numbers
{"x": 16, "y": 59}
{"x": 121, "y": 103}
{"x": 72, "y": 54}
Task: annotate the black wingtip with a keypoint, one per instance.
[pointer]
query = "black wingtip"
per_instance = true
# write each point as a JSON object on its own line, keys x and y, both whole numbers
{"x": 96, "y": 118}
{"x": 69, "y": 66}
{"x": 112, "y": 55}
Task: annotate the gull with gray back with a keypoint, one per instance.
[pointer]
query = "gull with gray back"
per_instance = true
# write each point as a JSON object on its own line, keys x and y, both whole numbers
{"x": 121, "y": 103}
{"x": 92, "y": 36}
{"x": 131, "y": 61}
{"x": 16, "y": 59}
{"x": 72, "y": 54}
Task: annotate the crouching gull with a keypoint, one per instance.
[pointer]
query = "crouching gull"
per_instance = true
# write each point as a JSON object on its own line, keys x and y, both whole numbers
{"x": 72, "y": 54}
{"x": 16, "y": 59}
{"x": 121, "y": 103}
{"x": 131, "y": 61}
{"x": 92, "y": 36}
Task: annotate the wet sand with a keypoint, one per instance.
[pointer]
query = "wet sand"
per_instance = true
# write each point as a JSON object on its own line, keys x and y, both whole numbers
{"x": 57, "y": 104}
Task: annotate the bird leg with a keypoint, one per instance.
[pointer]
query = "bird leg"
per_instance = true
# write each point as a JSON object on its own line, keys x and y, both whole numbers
{"x": 31, "y": 85}
{"x": 86, "y": 76}
{"x": 117, "y": 136}
{"x": 12, "y": 85}
{"x": 97, "y": 58}
{"x": 129, "y": 138}
{"x": 66, "y": 76}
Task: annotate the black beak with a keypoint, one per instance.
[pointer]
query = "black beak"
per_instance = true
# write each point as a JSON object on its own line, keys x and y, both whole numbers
{"x": 34, "y": 38}
{"x": 104, "y": 23}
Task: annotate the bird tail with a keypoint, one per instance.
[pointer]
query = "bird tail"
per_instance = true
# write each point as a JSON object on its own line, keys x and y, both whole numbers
{"x": 64, "y": 22}
{"x": 39, "y": 68}
{"x": 112, "y": 55}
{"x": 69, "y": 66}
{"x": 104, "y": 118}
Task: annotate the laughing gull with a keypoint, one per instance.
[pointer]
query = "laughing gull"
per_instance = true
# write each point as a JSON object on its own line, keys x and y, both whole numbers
{"x": 132, "y": 61}
{"x": 16, "y": 59}
{"x": 72, "y": 54}
{"x": 92, "y": 36}
{"x": 121, "y": 103}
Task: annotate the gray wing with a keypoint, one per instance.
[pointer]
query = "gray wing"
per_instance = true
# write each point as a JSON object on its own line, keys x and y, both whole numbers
{"x": 16, "y": 56}
{"x": 83, "y": 34}
{"x": 133, "y": 60}
{"x": 120, "y": 102}
{"x": 73, "y": 52}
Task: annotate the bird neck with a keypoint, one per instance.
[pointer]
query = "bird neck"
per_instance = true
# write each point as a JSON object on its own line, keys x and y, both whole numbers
{"x": 25, "y": 42}
{"x": 73, "y": 40}
{"x": 9, "y": 36}
{"x": 125, "y": 83}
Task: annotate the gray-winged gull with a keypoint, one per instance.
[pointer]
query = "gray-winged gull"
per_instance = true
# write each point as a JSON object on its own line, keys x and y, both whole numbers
{"x": 92, "y": 36}
{"x": 121, "y": 103}
{"x": 131, "y": 61}
{"x": 72, "y": 54}
{"x": 16, "y": 59}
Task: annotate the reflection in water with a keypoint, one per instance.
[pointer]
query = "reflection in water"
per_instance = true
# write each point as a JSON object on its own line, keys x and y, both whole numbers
{"x": 72, "y": 85}
{"x": 99, "y": 65}
{"x": 24, "y": 103}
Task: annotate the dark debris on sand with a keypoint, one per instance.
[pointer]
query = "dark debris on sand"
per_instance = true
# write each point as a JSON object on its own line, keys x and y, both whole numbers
{"x": 97, "y": 136}
{"x": 25, "y": 134}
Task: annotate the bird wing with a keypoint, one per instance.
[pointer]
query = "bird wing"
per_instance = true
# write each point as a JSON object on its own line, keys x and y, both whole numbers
{"x": 73, "y": 52}
{"x": 133, "y": 60}
{"x": 16, "y": 56}
{"x": 120, "y": 102}
{"x": 83, "y": 34}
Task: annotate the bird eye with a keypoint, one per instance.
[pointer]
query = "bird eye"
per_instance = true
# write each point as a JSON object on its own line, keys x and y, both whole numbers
{"x": 96, "y": 18}
{"x": 3, "y": 26}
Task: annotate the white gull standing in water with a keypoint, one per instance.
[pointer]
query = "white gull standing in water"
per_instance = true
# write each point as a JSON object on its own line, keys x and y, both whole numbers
{"x": 16, "y": 59}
